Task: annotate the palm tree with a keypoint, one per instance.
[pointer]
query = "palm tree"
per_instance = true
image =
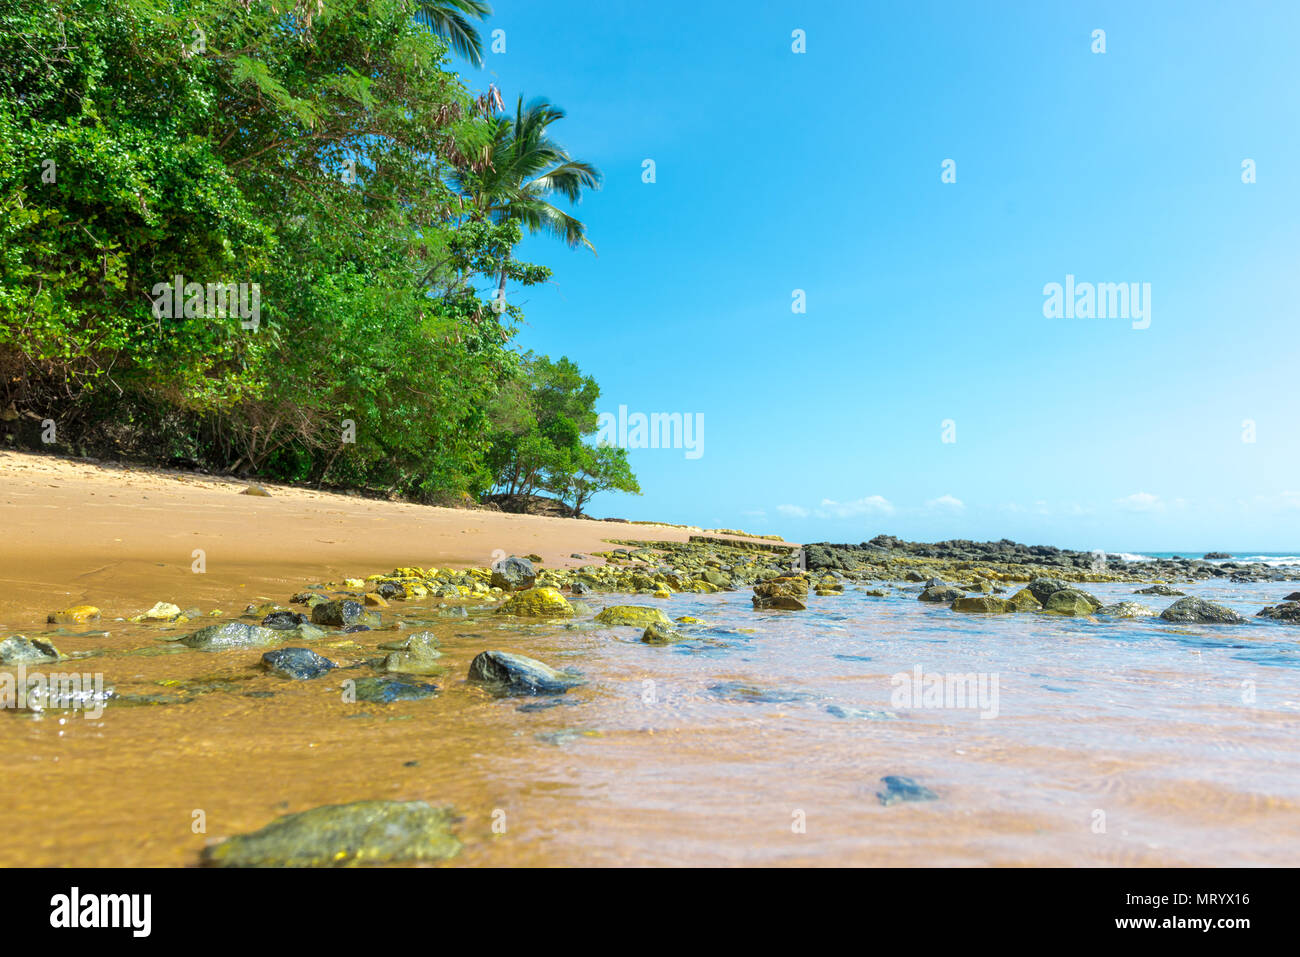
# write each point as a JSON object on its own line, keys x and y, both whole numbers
{"x": 449, "y": 19}
{"x": 524, "y": 168}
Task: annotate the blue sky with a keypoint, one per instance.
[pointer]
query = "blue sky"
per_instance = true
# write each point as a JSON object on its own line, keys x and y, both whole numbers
{"x": 821, "y": 171}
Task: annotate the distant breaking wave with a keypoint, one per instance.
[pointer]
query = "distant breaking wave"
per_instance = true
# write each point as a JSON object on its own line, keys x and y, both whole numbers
{"x": 1272, "y": 560}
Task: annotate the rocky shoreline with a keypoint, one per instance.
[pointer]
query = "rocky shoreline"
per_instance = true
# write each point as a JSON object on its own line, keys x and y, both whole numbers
{"x": 974, "y": 578}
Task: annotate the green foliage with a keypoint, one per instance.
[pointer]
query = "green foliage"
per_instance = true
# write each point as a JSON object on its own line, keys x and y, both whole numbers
{"x": 321, "y": 150}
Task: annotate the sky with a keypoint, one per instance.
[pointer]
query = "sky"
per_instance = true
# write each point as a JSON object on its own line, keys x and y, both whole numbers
{"x": 925, "y": 391}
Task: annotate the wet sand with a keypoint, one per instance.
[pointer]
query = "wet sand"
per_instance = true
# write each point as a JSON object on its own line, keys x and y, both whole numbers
{"x": 123, "y": 538}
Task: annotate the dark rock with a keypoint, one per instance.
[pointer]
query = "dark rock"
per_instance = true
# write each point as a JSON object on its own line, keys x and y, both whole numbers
{"x": 517, "y": 674}
{"x": 1198, "y": 610}
{"x": 1287, "y": 611}
{"x": 657, "y": 634}
{"x": 345, "y": 835}
{"x": 284, "y": 620}
{"x": 1045, "y": 588}
{"x": 941, "y": 593}
{"x": 514, "y": 574}
{"x": 299, "y": 664}
{"x": 581, "y": 588}
{"x": 753, "y": 694}
{"x": 340, "y": 612}
{"x": 1215, "y": 555}
{"x": 1165, "y": 590}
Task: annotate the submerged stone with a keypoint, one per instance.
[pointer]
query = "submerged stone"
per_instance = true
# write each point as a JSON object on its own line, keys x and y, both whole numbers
{"x": 345, "y": 835}
{"x": 388, "y": 690}
{"x": 519, "y": 674}
{"x": 899, "y": 788}
{"x": 739, "y": 691}
{"x": 298, "y": 664}
{"x": 1160, "y": 590}
{"x": 417, "y": 655}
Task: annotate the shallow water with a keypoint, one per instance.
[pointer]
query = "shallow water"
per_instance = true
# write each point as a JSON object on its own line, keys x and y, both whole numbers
{"x": 1115, "y": 741}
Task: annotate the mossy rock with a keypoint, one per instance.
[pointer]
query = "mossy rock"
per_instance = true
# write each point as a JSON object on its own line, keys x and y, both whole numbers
{"x": 345, "y": 835}
{"x": 76, "y": 615}
{"x": 1071, "y": 602}
{"x": 983, "y": 604}
{"x": 1025, "y": 600}
{"x": 637, "y": 615}
{"x": 537, "y": 603}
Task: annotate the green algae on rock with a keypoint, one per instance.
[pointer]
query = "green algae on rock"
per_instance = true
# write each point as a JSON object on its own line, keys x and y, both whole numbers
{"x": 543, "y": 602}
{"x": 232, "y": 634}
{"x": 345, "y": 835}
{"x": 983, "y": 605}
{"x": 638, "y": 615}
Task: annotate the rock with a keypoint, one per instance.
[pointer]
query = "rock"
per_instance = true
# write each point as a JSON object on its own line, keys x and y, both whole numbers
{"x": 306, "y": 632}
{"x": 1210, "y": 556}
{"x": 581, "y": 588}
{"x": 284, "y": 620}
{"x": 1198, "y": 610}
{"x": 20, "y": 650}
{"x": 514, "y": 574}
{"x": 942, "y": 593}
{"x": 983, "y": 604}
{"x": 374, "y": 600}
{"x": 256, "y": 489}
{"x": 388, "y": 690}
{"x": 1127, "y": 609}
{"x": 716, "y": 578}
{"x": 300, "y": 664}
{"x": 518, "y": 674}
{"x": 913, "y": 576}
{"x": 787, "y": 593}
{"x": 233, "y": 634}
{"x": 1044, "y": 588}
{"x": 417, "y": 655}
{"x": 1160, "y": 590}
{"x": 1287, "y": 611}
{"x": 1072, "y": 602}
{"x": 338, "y": 613}
{"x": 899, "y": 789}
{"x": 390, "y": 590}
{"x": 638, "y": 615}
{"x": 1294, "y": 596}
{"x": 657, "y": 634}
{"x": 344, "y": 835}
{"x": 162, "y": 611}
{"x": 537, "y": 603}
{"x": 1025, "y": 600}
{"x": 76, "y": 615}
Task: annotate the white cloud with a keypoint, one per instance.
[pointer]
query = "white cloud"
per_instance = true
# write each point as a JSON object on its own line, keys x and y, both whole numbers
{"x": 1141, "y": 502}
{"x": 755, "y": 513}
{"x": 947, "y": 501}
{"x": 871, "y": 505}
{"x": 793, "y": 511}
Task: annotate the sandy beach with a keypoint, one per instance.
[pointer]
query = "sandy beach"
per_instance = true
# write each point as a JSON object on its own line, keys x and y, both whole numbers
{"x": 122, "y": 537}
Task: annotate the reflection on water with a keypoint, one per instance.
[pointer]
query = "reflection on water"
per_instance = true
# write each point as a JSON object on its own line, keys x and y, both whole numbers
{"x": 762, "y": 739}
